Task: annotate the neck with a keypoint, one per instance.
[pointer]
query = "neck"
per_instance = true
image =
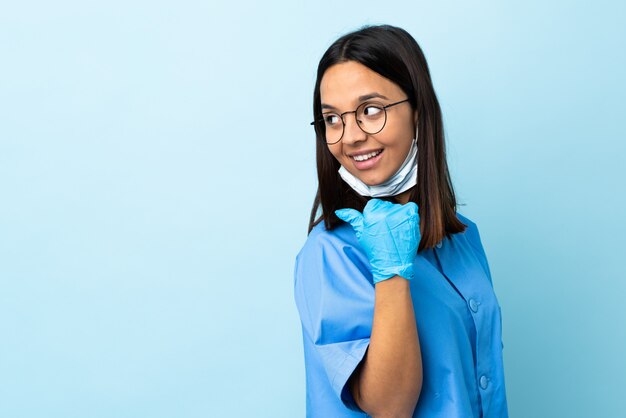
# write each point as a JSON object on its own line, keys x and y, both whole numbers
{"x": 403, "y": 198}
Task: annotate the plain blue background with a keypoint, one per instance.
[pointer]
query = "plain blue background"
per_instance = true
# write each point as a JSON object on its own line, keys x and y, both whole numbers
{"x": 157, "y": 173}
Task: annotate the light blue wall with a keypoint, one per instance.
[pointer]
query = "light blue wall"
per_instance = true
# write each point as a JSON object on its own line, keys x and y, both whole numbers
{"x": 157, "y": 172}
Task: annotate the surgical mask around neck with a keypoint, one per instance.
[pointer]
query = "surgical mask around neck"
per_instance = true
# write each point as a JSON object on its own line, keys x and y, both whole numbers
{"x": 401, "y": 181}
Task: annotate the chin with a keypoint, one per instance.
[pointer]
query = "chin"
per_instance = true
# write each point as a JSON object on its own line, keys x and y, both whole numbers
{"x": 373, "y": 180}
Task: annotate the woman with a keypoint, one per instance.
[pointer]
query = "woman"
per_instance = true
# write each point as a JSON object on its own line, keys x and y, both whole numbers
{"x": 394, "y": 292}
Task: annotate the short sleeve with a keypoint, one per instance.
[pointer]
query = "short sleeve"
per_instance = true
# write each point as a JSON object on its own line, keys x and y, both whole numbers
{"x": 473, "y": 237}
{"x": 334, "y": 294}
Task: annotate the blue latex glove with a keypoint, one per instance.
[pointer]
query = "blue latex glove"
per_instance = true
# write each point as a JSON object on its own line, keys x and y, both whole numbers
{"x": 389, "y": 233}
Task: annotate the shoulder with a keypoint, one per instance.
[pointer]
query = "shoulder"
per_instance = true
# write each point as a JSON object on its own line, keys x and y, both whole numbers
{"x": 472, "y": 237}
{"x": 471, "y": 232}
{"x": 467, "y": 221}
{"x": 330, "y": 270}
{"x": 331, "y": 253}
{"x": 321, "y": 240}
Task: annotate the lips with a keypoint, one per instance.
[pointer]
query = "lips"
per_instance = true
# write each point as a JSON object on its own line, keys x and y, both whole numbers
{"x": 369, "y": 163}
{"x": 365, "y": 152}
{"x": 365, "y": 157}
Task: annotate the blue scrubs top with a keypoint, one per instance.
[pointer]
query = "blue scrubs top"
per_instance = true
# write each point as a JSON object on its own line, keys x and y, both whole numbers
{"x": 456, "y": 311}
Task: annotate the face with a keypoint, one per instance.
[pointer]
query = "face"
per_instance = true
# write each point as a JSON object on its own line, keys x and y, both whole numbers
{"x": 340, "y": 88}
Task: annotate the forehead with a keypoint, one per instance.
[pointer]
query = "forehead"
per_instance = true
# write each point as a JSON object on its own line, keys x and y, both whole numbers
{"x": 343, "y": 83}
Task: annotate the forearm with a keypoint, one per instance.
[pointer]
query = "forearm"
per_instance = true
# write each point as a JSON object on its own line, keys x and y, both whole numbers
{"x": 390, "y": 378}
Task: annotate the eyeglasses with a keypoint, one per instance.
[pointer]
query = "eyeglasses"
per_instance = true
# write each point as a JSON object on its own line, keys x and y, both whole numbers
{"x": 371, "y": 117}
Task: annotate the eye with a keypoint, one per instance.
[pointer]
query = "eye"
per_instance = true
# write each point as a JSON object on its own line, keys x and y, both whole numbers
{"x": 331, "y": 119}
{"x": 372, "y": 111}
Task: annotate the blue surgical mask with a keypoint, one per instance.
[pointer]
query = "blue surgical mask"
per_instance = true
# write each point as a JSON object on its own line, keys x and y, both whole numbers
{"x": 401, "y": 181}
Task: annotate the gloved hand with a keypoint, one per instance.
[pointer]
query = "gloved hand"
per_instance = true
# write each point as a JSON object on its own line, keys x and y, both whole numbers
{"x": 389, "y": 233}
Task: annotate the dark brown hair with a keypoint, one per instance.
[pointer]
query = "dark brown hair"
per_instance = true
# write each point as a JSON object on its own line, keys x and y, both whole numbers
{"x": 394, "y": 54}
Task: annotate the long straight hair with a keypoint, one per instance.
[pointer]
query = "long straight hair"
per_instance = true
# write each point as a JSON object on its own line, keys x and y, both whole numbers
{"x": 394, "y": 54}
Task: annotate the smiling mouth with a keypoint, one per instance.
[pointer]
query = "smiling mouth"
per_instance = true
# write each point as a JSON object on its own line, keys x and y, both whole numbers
{"x": 366, "y": 157}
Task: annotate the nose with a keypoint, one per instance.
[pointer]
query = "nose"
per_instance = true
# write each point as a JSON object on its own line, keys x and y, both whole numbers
{"x": 351, "y": 131}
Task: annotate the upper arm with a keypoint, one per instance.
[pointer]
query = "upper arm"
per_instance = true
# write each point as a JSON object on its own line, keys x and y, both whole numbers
{"x": 335, "y": 299}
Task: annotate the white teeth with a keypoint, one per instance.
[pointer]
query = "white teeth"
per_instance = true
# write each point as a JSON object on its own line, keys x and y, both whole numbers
{"x": 366, "y": 156}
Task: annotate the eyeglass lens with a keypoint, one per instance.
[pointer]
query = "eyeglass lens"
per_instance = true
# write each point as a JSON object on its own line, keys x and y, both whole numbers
{"x": 370, "y": 118}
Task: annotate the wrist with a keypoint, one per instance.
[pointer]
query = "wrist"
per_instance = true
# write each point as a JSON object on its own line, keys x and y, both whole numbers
{"x": 405, "y": 272}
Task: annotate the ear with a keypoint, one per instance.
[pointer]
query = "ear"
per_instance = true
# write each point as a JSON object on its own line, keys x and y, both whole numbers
{"x": 415, "y": 119}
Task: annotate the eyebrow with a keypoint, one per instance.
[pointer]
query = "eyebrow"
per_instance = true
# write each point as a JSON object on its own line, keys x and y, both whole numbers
{"x": 360, "y": 99}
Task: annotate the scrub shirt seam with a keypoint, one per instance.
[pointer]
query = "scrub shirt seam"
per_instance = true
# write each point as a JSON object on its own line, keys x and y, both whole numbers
{"x": 341, "y": 370}
{"x": 306, "y": 306}
{"x": 480, "y": 252}
{"x": 341, "y": 366}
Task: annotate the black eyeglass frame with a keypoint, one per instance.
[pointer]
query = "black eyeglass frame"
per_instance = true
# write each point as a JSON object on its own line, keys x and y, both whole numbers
{"x": 343, "y": 122}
